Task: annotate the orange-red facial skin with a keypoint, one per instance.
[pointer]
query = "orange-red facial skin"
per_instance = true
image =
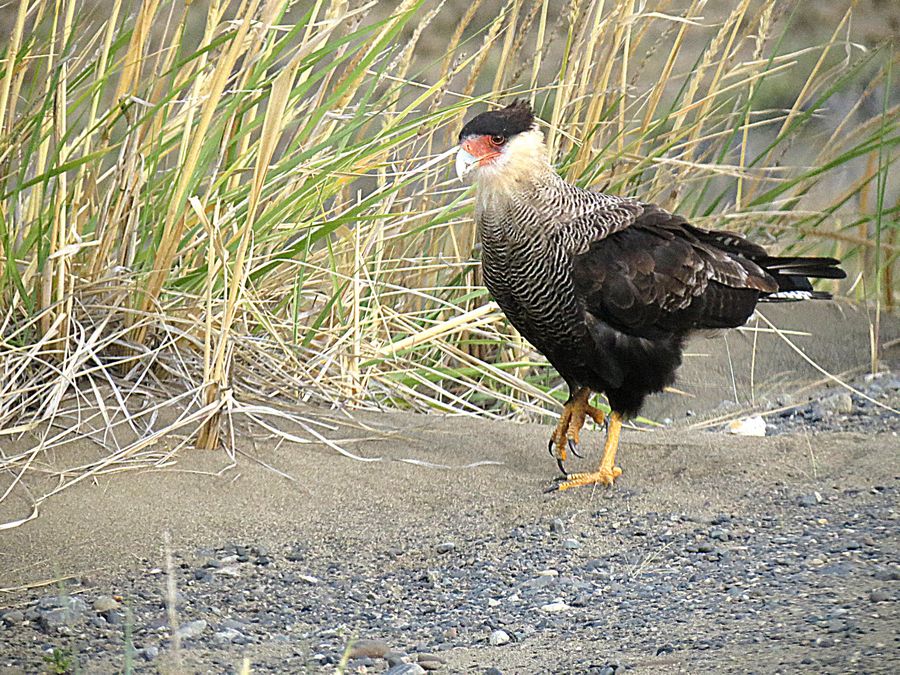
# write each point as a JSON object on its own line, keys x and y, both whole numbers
{"x": 482, "y": 148}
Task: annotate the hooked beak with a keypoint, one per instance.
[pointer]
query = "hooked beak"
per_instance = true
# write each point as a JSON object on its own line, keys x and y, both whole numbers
{"x": 465, "y": 162}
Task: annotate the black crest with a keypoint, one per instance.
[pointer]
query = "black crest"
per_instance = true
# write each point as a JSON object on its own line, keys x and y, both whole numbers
{"x": 509, "y": 121}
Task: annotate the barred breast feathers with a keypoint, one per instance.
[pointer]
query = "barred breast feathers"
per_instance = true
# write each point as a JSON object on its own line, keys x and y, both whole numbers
{"x": 521, "y": 196}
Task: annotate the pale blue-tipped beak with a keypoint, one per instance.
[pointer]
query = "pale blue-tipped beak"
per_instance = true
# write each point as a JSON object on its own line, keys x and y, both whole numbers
{"x": 465, "y": 161}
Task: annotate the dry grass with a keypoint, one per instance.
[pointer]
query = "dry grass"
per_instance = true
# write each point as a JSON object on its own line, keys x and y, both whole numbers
{"x": 263, "y": 210}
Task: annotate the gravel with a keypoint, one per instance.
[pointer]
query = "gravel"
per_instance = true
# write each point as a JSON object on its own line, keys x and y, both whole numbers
{"x": 815, "y": 571}
{"x": 831, "y": 409}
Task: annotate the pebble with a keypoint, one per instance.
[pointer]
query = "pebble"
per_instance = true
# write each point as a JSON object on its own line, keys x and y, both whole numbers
{"x": 499, "y": 637}
{"x": 191, "y": 629}
{"x": 149, "y": 653}
{"x": 879, "y": 595}
{"x": 114, "y": 617}
{"x": 429, "y": 661}
{"x": 556, "y": 606}
{"x": 395, "y": 658}
{"x": 841, "y": 403}
{"x": 405, "y": 669}
{"x": 13, "y": 617}
{"x": 751, "y": 426}
{"x": 557, "y": 526}
{"x": 446, "y": 547}
{"x": 227, "y": 636}
{"x": 105, "y": 604}
{"x": 67, "y": 612}
{"x": 375, "y": 649}
{"x": 571, "y": 544}
{"x": 810, "y": 500}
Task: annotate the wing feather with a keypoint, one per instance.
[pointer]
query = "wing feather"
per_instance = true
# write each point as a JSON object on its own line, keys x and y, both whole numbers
{"x": 660, "y": 276}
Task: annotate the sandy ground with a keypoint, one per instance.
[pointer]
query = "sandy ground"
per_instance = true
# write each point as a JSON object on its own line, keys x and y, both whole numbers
{"x": 357, "y": 512}
{"x": 713, "y": 553}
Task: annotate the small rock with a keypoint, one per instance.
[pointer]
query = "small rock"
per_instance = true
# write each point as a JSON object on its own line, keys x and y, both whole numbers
{"x": 228, "y": 571}
{"x": 836, "y": 626}
{"x": 395, "y": 658}
{"x": 571, "y": 544}
{"x": 149, "y": 653}
{"x": 405, "y": 669}
{"x": 840, "y": 403}
{"x": 374, "y": 649}
{"x": 665, "y": 649}
{"x": 557, "y": 526}
{"x": 308, "y": 578}
{"x": 556, "y": 606}
{"x": 751, "y": 426}
{"x": 114, "y": 617}
{"x": 499, "y": 637}
{"x": 227, "y": 636}
{"x": 493, "y": 671}
{"x": 105, "y": 604}
{"x": 878, "y": 595}
{"x": 430, "y": 661}
{"x": 71, "y": 613}
{"x": 810, "y": 500}
{"x": 446, "y": 547}
{"x": 191, "y": 629}
{"x": 13, "y": 617}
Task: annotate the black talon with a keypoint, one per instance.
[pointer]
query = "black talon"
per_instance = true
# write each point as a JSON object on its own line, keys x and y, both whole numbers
{"x": 550, "y": 447}
{"x": 562, "y": 469}
{"x": 573, "y": 448}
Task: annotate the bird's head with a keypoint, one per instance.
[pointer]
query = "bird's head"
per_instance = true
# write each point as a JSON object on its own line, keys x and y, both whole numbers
{"x": 501, "y": 146}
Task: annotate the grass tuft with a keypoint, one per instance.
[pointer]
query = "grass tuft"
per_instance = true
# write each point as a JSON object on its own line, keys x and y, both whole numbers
{"x": 224, "y": 205}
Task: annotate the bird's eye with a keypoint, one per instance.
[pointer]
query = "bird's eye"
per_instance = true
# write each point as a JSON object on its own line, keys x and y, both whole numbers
{"x": 498, "y": 140}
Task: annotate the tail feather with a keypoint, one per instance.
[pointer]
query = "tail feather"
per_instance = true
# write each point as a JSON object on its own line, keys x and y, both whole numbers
{"x": 793, "y": 275}
{"x": 817, "y": 268}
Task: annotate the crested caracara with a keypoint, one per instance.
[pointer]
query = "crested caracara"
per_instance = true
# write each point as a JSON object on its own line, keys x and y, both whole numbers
{"x": 608, "y": 288}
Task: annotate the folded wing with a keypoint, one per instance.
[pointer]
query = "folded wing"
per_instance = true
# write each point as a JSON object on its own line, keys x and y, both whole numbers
{"x": 661, "y": 276}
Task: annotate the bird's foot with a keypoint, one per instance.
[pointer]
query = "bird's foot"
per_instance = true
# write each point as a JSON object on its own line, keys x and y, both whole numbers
{"x": 565, "y": 437}
{"x": 607, "y": 472}
{"x": 603, "y": 476}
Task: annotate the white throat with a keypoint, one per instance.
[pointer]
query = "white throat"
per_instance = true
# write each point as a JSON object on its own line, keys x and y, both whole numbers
{"x": 522, "y": 163}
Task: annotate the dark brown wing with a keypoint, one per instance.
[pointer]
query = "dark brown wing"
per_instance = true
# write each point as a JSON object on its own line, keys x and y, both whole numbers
{"x": 661, "y": 276}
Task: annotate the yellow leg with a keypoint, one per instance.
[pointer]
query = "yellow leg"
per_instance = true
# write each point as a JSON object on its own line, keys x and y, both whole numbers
{"x": 607, "y": 472}
{"x": 575, "y": 412}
